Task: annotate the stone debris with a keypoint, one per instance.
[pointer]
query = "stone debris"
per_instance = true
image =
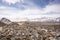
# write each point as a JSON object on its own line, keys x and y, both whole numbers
{"x": 13, "y": 31}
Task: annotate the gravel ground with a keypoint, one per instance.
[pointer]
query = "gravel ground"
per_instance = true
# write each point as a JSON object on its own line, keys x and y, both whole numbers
{"x": 14, "y": 32}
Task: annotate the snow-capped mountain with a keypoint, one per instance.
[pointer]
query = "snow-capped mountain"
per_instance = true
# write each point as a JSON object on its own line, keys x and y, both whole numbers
{"x": 47, "y": 19}
{"x": 42, "y": 19}
{"x": 6, "y": 21}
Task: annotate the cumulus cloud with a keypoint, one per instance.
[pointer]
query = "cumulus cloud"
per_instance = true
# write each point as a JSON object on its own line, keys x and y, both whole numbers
{"x": 18, "y": 14}
{"x": 12, "y": 1}
{"x": 27, "y": 11}
{"x": 31, "y": 11}
{"x": 52, "y": 8}
{"x": 15, "y": 14}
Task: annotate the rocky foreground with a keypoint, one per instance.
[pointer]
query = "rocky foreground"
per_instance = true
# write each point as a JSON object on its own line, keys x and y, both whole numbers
{"x": 27, "y": 31}
{"x": 14, "y": 31}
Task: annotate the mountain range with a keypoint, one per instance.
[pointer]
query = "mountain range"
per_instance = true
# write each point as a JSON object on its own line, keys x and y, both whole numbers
{"x": 42, "y": 19}
{"x": 46, "y": 19}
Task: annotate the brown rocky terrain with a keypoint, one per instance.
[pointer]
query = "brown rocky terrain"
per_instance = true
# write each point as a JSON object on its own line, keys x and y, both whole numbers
{"x": 29, "y": 31}
{"x": 2, "y": 24}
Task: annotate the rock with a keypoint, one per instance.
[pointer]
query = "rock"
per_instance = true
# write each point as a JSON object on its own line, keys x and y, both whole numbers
{"x": 58, "y": 38}
{"x": 4, "y": 38}
{"x": 1, "y": 29}
{"x": 6, "y": 21}
{"x": 13, "y": 31}
{"x": 12, "y": 38}
{"x": 2, "y": 24}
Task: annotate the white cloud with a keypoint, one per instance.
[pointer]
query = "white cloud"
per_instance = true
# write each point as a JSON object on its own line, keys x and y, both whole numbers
{"x": 52, "y": 8}
{"x": 6, "y": 7}
{"x": 12, "y": 1}
{"x": 30, "y": 13}
{"x": 13, "y": 13}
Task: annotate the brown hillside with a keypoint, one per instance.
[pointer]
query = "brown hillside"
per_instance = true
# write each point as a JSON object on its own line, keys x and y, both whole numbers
{"x": 2, "y": 24}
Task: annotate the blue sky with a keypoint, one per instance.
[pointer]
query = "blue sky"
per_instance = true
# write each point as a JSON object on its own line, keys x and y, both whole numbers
{"x": 28, "y": 9}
